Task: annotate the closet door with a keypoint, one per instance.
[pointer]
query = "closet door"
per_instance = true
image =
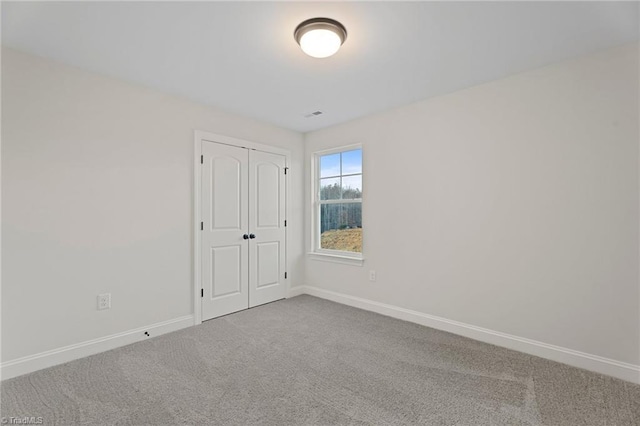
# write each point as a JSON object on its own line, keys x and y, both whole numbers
{"x": 225, "y": 217}
{"x": 267, "y": 205}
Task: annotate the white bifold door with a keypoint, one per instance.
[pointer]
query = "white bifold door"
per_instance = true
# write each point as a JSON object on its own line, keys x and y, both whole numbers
{"x": 243, "y": 228}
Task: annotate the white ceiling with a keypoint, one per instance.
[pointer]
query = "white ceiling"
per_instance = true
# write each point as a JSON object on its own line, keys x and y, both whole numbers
{"x": 241, "y": 57}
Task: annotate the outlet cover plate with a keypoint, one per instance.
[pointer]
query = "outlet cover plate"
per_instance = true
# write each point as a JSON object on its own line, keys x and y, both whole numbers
{"x": 104, "y": 301}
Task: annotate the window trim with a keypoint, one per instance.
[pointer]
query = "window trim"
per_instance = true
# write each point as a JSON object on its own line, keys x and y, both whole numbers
{"x": 317, "y": 253}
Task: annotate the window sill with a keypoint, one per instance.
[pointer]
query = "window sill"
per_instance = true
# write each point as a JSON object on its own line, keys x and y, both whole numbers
{"x": 336, "y": 258}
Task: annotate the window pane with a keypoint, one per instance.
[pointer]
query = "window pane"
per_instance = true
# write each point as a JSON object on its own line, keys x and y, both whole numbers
{"x": 341, "y": 227}
{"x": 352, "y": 187}
{"x": 352, "y": 162}
{"x": 330, "y": 165}
{"x": 330, "y": 189}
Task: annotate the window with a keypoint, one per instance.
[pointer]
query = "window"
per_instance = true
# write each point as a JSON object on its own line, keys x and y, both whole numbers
{"x": 338, "y": 202}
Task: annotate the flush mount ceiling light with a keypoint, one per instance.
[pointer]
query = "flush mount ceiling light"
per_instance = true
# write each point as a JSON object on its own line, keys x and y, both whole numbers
{"x": 320, "y": 37}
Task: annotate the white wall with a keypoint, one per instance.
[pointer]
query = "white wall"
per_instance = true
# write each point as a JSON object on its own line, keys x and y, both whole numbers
{"x": 511, "y": 206}
{"x": 97, "y": 197}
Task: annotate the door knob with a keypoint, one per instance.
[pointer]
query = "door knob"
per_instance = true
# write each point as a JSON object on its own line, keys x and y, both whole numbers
{"x": 252, "y": 236}
{"x": 245, "y": 236}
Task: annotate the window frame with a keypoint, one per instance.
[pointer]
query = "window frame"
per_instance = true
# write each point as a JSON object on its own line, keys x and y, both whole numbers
{"x": 318, "y": 253}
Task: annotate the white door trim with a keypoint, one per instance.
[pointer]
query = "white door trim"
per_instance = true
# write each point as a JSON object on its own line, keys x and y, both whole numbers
{"x": 200, "y": 136}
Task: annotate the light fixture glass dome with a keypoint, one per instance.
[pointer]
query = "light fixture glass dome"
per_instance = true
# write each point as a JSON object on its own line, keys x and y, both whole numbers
{"x": 320, "y": 37}
{"x": 320, "y": 43}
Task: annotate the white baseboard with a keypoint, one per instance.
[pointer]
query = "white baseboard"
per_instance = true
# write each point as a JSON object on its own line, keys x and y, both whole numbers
{"x": 598, "y": 364}
{"x": 296, "y": 291}
{"x": 28, "y": 364}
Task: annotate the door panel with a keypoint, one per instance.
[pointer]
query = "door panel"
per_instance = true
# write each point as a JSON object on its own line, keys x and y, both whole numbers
{"x": 266, "y": 222}
{"x": 226, "y": 270}
{"x": 268, "y": 196}
{"x": 268, "y": 263}
{"x": 225, "y": 216}
{"x": 226, "y": 174}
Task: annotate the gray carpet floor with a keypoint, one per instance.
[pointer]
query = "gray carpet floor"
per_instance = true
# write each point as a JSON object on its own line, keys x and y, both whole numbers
{"x": 308, "y": 361}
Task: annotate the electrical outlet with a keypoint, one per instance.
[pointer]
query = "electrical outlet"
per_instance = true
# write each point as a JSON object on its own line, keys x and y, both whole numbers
{"x": 372, "y": 275}
{"x": 104, "y": 301}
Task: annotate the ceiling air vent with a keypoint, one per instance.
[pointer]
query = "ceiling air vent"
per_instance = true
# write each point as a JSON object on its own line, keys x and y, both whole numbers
{"x": 313, "y": 114}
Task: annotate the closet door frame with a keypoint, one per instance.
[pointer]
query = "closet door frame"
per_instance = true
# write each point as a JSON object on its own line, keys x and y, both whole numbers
{"x": 202, "y": 136}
